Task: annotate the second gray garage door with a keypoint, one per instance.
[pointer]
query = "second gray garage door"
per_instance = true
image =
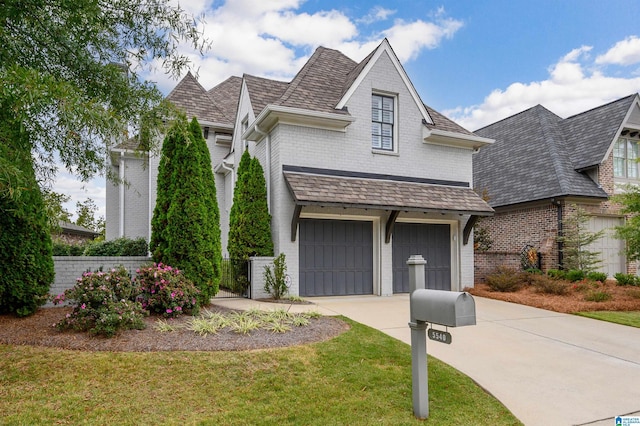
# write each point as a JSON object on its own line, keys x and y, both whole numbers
{"x": 336, "y": 257}
{"x": 433, "y": 242}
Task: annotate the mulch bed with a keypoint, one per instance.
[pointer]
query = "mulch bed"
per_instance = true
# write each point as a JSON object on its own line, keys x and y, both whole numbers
{"x": 624, "y": 298}
{"x": 39, "y": 330}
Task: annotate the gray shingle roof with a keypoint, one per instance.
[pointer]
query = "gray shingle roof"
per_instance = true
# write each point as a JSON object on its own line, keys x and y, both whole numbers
{"x": 320, "y": 83}
{"x": 225, "y": 96}
{"x": 340, "y": 191}
{"x": 191, "y": 97}
{"x": 589, "y": 134}
{"x": 529, "y": 160}
{"x": 263, "y": 91}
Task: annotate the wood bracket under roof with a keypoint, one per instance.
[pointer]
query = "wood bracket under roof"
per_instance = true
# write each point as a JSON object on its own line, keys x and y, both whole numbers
{"x": 390, "y": 224}
{"x": 468, "y": 227}
{"x": 294, "y": 221}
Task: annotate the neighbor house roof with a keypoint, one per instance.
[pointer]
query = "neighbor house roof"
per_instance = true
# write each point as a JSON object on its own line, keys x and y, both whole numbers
{"x": 590, "y": 133}
{"x": 532, "y": 158}
{"x": 73, "y": 229}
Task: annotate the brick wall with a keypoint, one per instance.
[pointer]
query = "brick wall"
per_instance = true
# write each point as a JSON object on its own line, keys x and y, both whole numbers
{"x": 68, "y": 268}
{"x": 486, "y": 262}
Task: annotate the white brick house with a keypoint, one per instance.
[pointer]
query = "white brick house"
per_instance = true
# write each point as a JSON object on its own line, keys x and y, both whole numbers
{"x": 360, "y": 173}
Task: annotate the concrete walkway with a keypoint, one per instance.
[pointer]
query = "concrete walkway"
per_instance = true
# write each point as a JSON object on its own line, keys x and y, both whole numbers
{"x": 547, "y": 368}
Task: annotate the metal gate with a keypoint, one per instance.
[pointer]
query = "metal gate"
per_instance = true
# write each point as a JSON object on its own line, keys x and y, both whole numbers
{"x": 234, "y": 279}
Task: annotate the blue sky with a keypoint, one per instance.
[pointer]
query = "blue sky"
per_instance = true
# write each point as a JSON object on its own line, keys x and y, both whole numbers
{"x": 475, "y": 61}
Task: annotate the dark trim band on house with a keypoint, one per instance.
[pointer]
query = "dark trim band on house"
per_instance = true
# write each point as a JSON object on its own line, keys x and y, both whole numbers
{"x": 377, "y": 176}
{"x": 308, "y": 189}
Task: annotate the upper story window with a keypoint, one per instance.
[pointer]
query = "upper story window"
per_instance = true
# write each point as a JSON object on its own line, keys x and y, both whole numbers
{"x": 625, "y": 158}
{"x": 382, "y": 122}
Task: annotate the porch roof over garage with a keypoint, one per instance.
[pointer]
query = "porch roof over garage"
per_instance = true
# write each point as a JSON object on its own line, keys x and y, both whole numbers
{"x": 333, "y": 188}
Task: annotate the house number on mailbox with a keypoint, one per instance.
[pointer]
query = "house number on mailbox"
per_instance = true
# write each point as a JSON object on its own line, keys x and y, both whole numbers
{"x": 439, "y": 336}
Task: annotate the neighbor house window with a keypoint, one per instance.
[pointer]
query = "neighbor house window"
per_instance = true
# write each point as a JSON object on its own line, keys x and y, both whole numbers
{"x": 625, "y": 158}
{"x": 382, "y": 122}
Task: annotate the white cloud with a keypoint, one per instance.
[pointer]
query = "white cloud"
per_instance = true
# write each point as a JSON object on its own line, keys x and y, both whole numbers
{"x": 79, "y": 191}
{"x": 574, "y": 85}
{"x": 376, "y": 14}
{"x": 409, "y": 38}
{"x": 624, "y": 52}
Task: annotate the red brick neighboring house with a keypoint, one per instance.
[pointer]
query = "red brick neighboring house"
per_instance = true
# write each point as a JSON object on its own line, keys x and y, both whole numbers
{"x": 70, "y": 233}
{"x": 540, "y": 165}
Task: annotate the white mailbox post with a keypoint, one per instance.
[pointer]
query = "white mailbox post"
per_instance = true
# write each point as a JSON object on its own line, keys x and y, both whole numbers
{"x": 448, "y": 308}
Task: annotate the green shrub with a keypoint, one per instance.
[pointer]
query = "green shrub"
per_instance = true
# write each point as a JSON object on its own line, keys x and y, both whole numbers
{"x": 547, "y": 285}
{"x": 626, "y": 279}
{"x": 597, "y": 296}
{"x": 61, "y": 248}
{"x": 165, "y": 290}
{"x": 275, "y": 280}
{"x": 557, "y": 274}
{"x": 504, "y": 279}
{"x": 574, "y": 275}
{"x": 119, "y": 247}
{"x": 104, "y": 303}
{"x": 26, "y": 262}
{"x": 597, "y": 276}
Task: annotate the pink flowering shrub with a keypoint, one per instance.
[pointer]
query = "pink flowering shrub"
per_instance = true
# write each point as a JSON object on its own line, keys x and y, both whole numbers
{"x": 165, "y": 290}
{"x": 103, "y": 303}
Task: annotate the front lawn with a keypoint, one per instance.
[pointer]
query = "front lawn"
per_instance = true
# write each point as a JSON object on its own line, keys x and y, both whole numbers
{"x": 361, "y": 377}
{"x": 625, "y": 318}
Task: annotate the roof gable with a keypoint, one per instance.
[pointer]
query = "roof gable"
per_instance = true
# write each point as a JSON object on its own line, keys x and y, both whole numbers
{"x": 367, "y": 64}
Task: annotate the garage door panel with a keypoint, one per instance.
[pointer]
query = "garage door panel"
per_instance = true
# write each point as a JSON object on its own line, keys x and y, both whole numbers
{"x": 610, "y": 248}
{"x": 433, "y": 243}
{"x": 342, "y": 254}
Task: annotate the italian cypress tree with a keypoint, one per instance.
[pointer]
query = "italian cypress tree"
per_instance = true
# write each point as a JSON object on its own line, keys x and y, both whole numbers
{"x": 211, "y": 230}
{"x": 158, "y": 243}
{"x": 26, "y": 263}
{"x": 250, "y": 222}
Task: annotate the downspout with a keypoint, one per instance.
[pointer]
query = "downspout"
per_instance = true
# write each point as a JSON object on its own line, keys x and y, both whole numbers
{"x": 268, "y": 165}
{"x": 558, "y": 205}
{"x": 230, "y": 169}
{"x": 121, "y": 194}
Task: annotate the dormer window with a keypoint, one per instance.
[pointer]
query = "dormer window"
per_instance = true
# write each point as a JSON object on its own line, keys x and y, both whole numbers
{"x": 382, "y": 122}
{"x": 625, "y": 158}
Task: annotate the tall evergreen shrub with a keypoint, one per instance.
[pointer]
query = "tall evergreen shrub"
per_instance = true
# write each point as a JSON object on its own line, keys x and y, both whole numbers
{"x": 183, "y": 241}
{"x": 250, "y": 221}
{"x": 158, "y": 243}
{"x": 26, "y": 262}
{"x": 211, "y": 228}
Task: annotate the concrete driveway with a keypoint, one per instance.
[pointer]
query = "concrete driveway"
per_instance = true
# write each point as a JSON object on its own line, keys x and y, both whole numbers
{"x": 547, "y": 368}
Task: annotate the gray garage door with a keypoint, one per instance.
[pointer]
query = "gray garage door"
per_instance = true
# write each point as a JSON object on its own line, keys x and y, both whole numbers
{"x": 432, "y": 241}
{"x": 336, "y": 257}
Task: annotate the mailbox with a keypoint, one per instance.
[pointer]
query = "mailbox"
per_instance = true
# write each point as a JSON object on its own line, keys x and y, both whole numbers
{"x": 448, "y": 308}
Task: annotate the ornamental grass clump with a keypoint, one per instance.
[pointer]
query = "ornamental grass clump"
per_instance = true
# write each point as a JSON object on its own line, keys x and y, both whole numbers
{"x": 165, "y": 290}
{"x": 103, "y": 304}
{"x": 504, "y": 279}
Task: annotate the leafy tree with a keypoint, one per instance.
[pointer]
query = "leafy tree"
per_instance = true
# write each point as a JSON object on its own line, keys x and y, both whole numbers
{"x": 211, "y": 230}
{"x": 250, "y": 221}
{"x": 70, "y": 78}
{"x": 26, "y": 263}
{"x": 187, "y": 244}
{"x": 630, "y": 231}
{"x": 56, "y": 213}
{"x": 576, "y": 239}
{"x": 86, "y": 211}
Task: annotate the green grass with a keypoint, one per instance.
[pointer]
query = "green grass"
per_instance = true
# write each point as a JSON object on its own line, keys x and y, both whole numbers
{"x": 361, "y": 377}
{"x": 631, "y": 318}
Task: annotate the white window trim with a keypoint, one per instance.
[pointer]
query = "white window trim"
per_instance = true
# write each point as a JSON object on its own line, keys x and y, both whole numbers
{"x": 396, "y": 141}
{"x": 625, "y": 177}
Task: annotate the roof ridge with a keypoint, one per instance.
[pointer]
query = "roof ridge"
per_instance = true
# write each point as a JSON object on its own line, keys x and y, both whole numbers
{"x": 602, "y": 106}
{"x": 295, "y": 82}
{"x": 526, "y": 111}
{"x": 554, "y": 148}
